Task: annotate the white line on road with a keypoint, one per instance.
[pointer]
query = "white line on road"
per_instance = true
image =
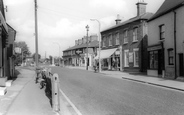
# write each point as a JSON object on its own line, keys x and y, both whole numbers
{"x": 74, "y": 107}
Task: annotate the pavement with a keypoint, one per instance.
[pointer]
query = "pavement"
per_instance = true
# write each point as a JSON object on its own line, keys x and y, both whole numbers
{"x": 177, "y": 84}
{"x": 25, "y": 97}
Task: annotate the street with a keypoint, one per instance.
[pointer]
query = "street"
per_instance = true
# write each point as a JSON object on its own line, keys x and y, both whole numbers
{"x": 98, "y": 94}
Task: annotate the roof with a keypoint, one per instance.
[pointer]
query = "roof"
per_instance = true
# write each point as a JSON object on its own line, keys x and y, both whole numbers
{"x": 90, "y": 44}
{"x": 166, "y": 7}
{"x": 144, "y": 16}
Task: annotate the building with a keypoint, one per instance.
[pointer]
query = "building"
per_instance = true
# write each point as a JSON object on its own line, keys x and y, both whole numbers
{"x": 3, "y": 45}
{"x": 166, "y": 40}
{"x": 126, "y": 43}
{"x": 10, "y": 53}
{"x": 77, "y": 55}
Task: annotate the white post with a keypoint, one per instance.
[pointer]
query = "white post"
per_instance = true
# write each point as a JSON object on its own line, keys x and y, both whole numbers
{"x": 55, "y": 92}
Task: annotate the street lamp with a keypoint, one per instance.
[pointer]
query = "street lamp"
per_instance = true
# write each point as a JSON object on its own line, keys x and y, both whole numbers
{"x": 99, "y": 36}
{"x": 59, "y": 50}
{"x": 87, "y": 28}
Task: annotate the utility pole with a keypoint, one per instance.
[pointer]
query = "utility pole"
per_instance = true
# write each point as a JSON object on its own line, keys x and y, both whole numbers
{"x": 36, "y": 35}
{"x": 87, "y": 28}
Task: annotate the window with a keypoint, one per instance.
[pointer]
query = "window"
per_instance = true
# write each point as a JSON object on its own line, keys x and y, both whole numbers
{"x": 153, "y": 59}
{"x": 136, "y": 57}
{"x": 110, "y": 40}
{"x": 126, "y": 58}
{"x": 103, "y": 41}
{"x": 135, "y": 34}
{"x": 171, "y": 56}
{"x": 162, "y": 32}
{"x": 125, "y": 36}
{"x": 117, "y": 38}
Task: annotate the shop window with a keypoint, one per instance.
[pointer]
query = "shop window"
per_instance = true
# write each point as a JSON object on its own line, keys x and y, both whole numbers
{"x": 126, "y": 58}
{"x": 171, "y": 56}
{"x": 135, "y": 34}
{"x": 125, "y": 36}
{"x": 153, "y": 59}
{"x": 162, "y": 32}
{"x": 136, "y": 57}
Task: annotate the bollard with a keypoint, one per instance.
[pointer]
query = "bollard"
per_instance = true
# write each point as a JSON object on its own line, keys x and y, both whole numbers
{"x": 55, "y": 92}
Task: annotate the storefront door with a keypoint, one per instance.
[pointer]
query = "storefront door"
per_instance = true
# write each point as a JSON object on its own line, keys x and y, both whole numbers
{"x": 160, "y": 62}
{"x": 181, "y": 65}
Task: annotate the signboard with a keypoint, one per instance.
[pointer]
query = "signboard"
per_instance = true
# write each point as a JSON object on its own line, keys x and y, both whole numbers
{"x": 78, "y": 52}
{"x": 131, "y": 57}
{"x": 117, "y": 52}
{"x": 17, "y": 50}
{"x": 158, "y": 47}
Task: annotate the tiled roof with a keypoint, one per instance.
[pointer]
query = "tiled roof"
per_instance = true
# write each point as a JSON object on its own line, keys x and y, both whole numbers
{"x": 90, "y": 44}
{"x": 145, "y": 16}
{"x": 166, "y": 7}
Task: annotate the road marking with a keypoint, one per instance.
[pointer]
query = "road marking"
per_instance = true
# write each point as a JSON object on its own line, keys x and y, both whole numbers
{"x": 73, "y": 106}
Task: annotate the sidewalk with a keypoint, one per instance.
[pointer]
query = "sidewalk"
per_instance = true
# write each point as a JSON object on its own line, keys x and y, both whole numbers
{"x": 25, "y": 97}
{"x": 172, "y": 84}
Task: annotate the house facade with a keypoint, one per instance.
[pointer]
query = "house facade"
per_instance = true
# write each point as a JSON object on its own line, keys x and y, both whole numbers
{"x": 77, "y": 55}
{"x": 7, "y": 37}
{"x": 166, "y": 41}
{"x": 129, "y": 41}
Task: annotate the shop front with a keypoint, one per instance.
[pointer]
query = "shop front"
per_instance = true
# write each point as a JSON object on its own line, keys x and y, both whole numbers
{"x": 110, "y": 59}
{"x": 156, "y": 66}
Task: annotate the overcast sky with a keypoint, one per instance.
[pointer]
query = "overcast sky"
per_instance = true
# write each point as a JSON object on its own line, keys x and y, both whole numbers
{"x": 61, "y": 22}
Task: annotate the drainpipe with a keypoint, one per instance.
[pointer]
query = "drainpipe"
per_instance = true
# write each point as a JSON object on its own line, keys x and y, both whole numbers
{"x": 175, "y": 44}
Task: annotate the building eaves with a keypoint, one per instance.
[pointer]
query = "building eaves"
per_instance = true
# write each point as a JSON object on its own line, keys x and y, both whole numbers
{"x": 145, "y": 16}
{"x": 90, "y": 44}
{"x": 166, "y": 7}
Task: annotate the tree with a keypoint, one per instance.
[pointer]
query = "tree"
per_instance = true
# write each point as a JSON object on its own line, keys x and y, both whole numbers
{"x": 34, "y": 56}
{"x": 24, "y": 48}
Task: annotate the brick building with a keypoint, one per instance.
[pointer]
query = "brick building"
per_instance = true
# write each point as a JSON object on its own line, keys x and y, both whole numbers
{"x": 127, "y": 42}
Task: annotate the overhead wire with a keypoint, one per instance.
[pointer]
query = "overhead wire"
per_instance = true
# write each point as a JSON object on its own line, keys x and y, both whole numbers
{"x": 73, "y": 16}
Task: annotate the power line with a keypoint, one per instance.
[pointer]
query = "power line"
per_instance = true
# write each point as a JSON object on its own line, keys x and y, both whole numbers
{"x": 63, "y": 13}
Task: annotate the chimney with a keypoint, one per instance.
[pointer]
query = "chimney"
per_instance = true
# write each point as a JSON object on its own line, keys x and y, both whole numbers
{"x": 141, "y": 7}
{"x": 76, "y": 42}
{"x": 118, "y": 20}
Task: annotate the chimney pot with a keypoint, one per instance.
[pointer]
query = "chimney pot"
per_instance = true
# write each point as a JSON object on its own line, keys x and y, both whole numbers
{"x": 118, "y": 20}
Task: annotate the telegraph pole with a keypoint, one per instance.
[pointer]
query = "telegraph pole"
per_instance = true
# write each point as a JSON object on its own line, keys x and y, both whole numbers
{"x": 87, "y": 28}
{"x": 36, "y": 34}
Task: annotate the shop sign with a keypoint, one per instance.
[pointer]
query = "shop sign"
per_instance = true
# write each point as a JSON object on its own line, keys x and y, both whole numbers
{"x": 78, "y": 52}
{"x": 17, "y": 50}
{"x": 117, "y": 52}
{"x": 155, "y": 48}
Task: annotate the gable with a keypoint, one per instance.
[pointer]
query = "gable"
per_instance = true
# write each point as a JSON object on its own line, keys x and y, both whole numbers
{"x": 166, "y": 7}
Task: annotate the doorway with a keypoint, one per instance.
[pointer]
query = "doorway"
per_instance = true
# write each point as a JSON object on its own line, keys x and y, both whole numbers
{"x": 181, "y": 65}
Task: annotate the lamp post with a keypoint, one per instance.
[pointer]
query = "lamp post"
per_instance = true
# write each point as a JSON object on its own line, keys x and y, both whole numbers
{"x": 59, "y": 51}
{"x": 99, "y": 36}
{"x": 87, "y": 28}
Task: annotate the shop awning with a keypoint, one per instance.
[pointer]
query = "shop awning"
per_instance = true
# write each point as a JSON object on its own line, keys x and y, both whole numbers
{"x": 106, "y": 53}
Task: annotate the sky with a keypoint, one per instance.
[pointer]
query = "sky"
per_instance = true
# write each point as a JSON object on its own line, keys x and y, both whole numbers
{"x": 61, "y": 22}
